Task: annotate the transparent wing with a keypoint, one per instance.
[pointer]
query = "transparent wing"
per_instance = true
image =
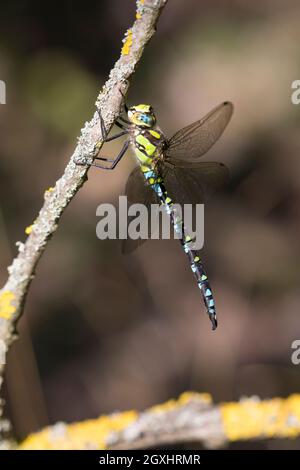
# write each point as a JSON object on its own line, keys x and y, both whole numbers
{"x": 194, "y": 183}
{"x": 138, "y": 192}
{"x": 193, "y": 141}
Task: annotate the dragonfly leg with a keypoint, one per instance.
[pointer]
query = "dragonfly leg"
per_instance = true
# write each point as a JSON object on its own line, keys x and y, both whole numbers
{"x": 106, "y": 139}
{"x": 113, "y": 162}
{"x": 121, "y": 125}
{"x": 109, "y": 139}
{"x": 103, "y": 130}
{"x": 124, "y": 102}
{"x": 105, "y": 159}
{"x": 124, "y": 120}
{"x": 102, "y": 125}
{"x": 116, "y": 136}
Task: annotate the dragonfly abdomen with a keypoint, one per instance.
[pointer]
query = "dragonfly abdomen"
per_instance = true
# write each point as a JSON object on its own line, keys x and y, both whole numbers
{"x": 156, "y": 183}
{"x": 148, "y": 149}
{"x": 203, "y": 284}
{"x": 199, "y": 272}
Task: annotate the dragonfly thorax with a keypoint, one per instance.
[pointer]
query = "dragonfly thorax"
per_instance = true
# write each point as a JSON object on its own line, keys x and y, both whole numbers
{"x": 146, "y": 138}
{"x": 148, "y": 145}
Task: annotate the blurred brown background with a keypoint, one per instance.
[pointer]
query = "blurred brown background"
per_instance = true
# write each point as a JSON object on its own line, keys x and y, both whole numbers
{"x": 104, "y": 332}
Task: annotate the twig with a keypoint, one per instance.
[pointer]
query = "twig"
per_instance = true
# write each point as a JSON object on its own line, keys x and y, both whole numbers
{"x": 22, "y": 270}
{"x": 193, "y": 418}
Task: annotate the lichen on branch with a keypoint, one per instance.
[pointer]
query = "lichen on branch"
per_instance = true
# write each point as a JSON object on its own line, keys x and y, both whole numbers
{"x": 191, "y": 418}
{"x": 22, "y": 270}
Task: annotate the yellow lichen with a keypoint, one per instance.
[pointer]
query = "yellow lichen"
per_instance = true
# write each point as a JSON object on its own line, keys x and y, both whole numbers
{"x": 48, "y": 191}
{"x": 251, "y": 418}
{"x": 6, "y": 308}
{"x": 139, "y": 10}
{"x": 248, "y": 419}
{"x": 28, "y": 229}
{"x": 183, "y": 399}
{"x": 127, "y": 43}
{"x": 188, "y": 396}
{"x": 90, "y": 434}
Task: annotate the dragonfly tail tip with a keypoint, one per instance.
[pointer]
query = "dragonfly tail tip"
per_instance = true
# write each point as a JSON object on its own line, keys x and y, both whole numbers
{"x": 214, "y": 322}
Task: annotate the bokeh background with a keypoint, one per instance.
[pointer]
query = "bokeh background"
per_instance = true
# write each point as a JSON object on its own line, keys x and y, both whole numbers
{"x": 103, "y": 332}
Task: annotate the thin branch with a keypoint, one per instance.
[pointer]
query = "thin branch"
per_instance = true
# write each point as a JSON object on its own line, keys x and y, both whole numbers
{"x": 22, "y": 270}
{"x": 192, "y": 418}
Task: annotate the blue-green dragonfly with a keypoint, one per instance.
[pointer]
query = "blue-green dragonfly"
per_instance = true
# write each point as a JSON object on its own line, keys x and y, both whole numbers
{"x": 169, "y": 172}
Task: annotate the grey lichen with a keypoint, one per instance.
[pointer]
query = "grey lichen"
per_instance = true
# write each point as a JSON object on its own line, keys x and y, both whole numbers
{"x": 22, "y": 269}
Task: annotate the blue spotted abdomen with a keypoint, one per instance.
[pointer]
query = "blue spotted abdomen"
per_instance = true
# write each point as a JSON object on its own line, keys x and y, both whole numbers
{"x": 148, "y": 149}
{"x": 156, "y": 183}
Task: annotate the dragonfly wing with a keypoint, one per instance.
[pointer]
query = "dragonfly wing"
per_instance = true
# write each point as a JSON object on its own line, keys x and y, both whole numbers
{"x": 193, "y": 141}
{"x": 194, "y": 183}
{"x": 138, "y": 192}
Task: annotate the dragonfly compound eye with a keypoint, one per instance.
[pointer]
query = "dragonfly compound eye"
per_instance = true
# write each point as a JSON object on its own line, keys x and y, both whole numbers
{"x": 147, "y": 119}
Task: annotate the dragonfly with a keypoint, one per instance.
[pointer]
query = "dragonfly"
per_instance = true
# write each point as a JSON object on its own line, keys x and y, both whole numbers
{"x": 170, "y": 171}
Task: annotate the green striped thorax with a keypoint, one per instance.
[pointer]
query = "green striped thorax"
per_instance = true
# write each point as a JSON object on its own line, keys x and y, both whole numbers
{"x": 147, "y": 139}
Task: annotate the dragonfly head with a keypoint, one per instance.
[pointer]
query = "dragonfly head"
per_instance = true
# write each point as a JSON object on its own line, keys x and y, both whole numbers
{"x": 142, "y": 115}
